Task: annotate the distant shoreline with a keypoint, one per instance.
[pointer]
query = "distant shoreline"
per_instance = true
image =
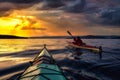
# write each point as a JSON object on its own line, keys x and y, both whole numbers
{"x": 11, "y": 37}
{"x": 60, "y": 37}
{"x": 82, "y": 37}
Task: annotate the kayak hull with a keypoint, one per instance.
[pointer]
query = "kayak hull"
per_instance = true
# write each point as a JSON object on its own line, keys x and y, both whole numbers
{"x": 85, "y": 47}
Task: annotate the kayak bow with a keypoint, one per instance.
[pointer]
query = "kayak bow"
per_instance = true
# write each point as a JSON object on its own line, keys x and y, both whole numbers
{"x": 43, "y": 68}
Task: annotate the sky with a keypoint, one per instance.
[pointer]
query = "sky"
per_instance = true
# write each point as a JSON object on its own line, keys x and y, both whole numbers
{"x": 55, "y": 17}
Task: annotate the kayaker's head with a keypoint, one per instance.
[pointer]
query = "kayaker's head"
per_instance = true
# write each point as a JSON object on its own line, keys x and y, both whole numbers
{"x": 78, "y": 38}
{"x": 75, "y": 38}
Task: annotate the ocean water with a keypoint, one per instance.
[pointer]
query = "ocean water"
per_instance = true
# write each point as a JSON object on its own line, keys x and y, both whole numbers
{"x": 19, "y": 51}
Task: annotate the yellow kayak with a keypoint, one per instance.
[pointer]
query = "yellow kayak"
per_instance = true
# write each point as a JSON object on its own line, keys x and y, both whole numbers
{"x": 86, "y": 47}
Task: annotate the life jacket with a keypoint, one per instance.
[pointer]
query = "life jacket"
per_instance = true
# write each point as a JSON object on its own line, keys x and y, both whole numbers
{"x": 78, "y": 41}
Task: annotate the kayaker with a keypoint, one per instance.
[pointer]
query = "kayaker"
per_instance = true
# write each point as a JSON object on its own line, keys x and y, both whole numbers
{"x": 78, "y": 41}
{"x": 77, "y": 52}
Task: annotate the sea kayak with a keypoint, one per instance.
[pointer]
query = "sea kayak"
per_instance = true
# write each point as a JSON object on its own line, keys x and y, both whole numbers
{"x": 86, "y": 47}
{"x": 43, "y": 67}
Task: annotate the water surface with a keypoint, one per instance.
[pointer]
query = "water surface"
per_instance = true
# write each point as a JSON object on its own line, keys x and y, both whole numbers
{"x": 17, "y": 51}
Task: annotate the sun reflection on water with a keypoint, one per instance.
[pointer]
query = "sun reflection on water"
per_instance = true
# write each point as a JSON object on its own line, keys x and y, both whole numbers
{"x": 11, "y": 48}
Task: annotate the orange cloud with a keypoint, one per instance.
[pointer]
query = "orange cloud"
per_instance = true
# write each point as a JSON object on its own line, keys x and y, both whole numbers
{"x": 20, "y": 24}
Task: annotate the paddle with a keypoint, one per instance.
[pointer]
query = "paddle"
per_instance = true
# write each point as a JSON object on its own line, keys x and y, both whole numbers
{"x": 70, "y": 34}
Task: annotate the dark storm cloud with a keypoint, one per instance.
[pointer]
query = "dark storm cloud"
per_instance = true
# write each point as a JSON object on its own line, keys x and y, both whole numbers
{"x": 99, "y": 12}
{"x": 49, "y": 4}
{"x": 21, "y": 1}
{"x": 111, "y": 16}
{"x": 102, "y": 12}
{"x": 106, "y": 16}
{"x": 6, "y": 6}
{"x": 95, "y": 12}
{"x": 76, "y": 6}
{"x": 53, "y": 3}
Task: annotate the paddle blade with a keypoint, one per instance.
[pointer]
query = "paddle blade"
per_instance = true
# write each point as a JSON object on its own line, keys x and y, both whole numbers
{"x": 69, "y": 33}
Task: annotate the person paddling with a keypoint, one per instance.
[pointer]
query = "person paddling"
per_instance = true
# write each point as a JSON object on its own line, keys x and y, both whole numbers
{"x": 77, "y": 52}
{"x": 78, "y": 41}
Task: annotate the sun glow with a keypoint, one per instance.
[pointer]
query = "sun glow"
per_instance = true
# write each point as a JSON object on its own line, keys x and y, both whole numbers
{"x": 19, "y": 24}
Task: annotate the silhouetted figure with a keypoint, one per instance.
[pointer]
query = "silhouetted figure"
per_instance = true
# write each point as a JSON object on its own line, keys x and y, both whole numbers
{"x": 77, "y": 52}
{"x": 78, "y": 41}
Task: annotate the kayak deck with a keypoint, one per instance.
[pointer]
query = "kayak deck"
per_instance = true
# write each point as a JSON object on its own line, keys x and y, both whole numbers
{"x": 43, "y": 68}
{"x": 43, "y": 72}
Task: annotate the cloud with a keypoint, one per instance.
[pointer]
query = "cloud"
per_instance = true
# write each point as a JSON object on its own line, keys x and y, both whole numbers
{"x": 21, "y": 1}
{"x": 7, "y": 7}
{"x": 33, "y": 28}
{"x": 53, "y": 3}
{"x": 106, "y": 16}
{"x": 76, "y": 6}
{"x": 95, "y": 11}
{"x": 111, "y": 16}
{"x": 48, "y": 4}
